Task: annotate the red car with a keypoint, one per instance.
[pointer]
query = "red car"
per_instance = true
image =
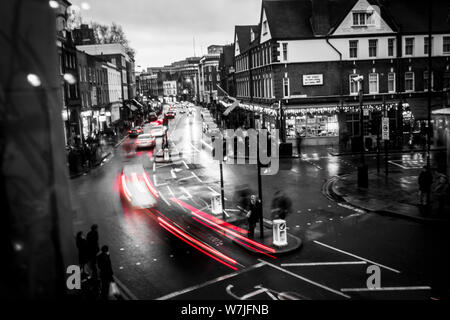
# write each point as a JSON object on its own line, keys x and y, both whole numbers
{"x": 169, "y": 115}
{"x": 134, "y": 132}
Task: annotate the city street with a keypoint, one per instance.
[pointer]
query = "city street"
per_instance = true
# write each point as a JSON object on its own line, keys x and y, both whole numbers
{"x": 340, "y": 241}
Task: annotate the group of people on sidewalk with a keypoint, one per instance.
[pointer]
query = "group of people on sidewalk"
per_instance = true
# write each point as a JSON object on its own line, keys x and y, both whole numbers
{"x": 430, "y": 185}
{"x": 280, "y": 207}
{"x": 95, "y": 264}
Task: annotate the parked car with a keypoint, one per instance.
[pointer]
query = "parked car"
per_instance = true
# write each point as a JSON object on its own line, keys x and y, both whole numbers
{"x": 134, "y": 132}
{"x": 145, "y": 141}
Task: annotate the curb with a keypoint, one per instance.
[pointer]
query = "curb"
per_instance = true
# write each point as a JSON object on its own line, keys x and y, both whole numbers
{"x": 125, "y": 293}
{"x": 76, "y": 175}
{"x": 329, "y": 191}
{"x": 381, "y": 153}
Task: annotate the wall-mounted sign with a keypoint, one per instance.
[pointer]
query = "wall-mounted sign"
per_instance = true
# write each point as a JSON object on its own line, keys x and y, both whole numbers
{"x": 312, "y": 79}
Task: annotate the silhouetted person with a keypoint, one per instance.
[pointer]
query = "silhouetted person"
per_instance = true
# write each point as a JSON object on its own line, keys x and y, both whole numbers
{"x": 253, "y": 214}
{"x": 93, "y": 248}
{"x": 298, "y": 138}
{"x": 441, "y": 191}
{"x": 281, "y": 206}
{"x": 83, "y": 253}
{"x": 106, "y": 272}
{"x": 425, "y": 180}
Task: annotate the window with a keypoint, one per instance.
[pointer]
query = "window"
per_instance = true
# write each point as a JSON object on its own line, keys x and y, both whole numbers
{"x": 446, "y": 44}
{"x": 426, "y": 45}
{"x": 264, "y": 27}
{"x": 391, "y": 82}
{"x": 354, "y": 85}
{"x": 373, "y": 83}
{"x": 218, "y": 78}
{"x": 446, "y": 84}
{"x": 373, "y": 47}
{"x": 353, "y": 45}
{"x": 286, "y": 87}
{"x": 285, "y": 51}
{"x": 391, "y": 43}
{"x": 359, "y": 18}
{"x": 409, "y": 81}
{"x": 425, "y": 80}
{"x": 409, "y": 46}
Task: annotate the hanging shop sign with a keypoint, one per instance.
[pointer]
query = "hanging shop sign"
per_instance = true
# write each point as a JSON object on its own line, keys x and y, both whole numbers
{"x": 312, "y": 79}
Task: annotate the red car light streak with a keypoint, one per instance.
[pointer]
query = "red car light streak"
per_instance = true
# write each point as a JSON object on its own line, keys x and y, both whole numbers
{"x": 195, "y": 211}
{"x": 150, "y": 185}
{"x": 194, "y": 246}
{"x": 218, "y": 231}
{"x": 125, "y": 188}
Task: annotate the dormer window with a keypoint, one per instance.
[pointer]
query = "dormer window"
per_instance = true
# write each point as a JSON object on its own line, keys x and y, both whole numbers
{"x": 252, "y": 35}
{"x": 265, "y": 28}
{"x": 362, "y": 19}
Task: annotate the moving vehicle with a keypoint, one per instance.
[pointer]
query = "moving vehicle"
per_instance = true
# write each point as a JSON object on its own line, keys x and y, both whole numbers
{"x": 145, "y": 141}
{"x": 152, "y": 116}
{"x": 137, "y": 187}
{"x": 134, "y": 132}
{"x": 169, "y": 115}
{"x": 158, "y": 131}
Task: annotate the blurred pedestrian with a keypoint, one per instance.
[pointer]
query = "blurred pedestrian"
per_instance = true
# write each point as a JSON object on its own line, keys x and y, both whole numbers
{"x": 441, "y": 191}
{"x": 281, "y": 206}
{"x": 253, "y": 214}
{"x": 93, "y": 248}
{"x": 298, "y": 138}
{"x": 83, "y": 254}
{"x": 106, "y": 272}
{"x": 425, "y": 180}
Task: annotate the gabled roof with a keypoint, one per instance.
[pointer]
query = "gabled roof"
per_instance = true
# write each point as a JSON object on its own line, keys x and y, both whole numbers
{"x": 288, "y": 19}
{"x": 243, "y": 35}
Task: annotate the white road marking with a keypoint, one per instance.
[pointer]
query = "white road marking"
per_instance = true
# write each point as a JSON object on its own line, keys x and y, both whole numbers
{"x": 212, "y": 189}
{"x": 164, "y": 199}
{"x": 306, "y": 279}
{"x": 194, "y": 147}
{"x": 207, "y": 145}
{"x": 386, "y": 289}
{"x": 154, "y": 166}
{"x": 207, "y": 283}
{"x": 171, "y": 192}
{"x": 307, "y": 264}
{"x": 173, "y": 174}
{"x": 186, "y": 192}
{"x": 355, "y": 256}
{"x": 193, "y": 174}
{"x": 124, "y": 288}
{"x": 185, "y": 164}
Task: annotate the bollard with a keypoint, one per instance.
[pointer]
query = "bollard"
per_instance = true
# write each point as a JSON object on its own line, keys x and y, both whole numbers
{"x": 279, "y": 233}
{"x": 166, "y": 154}
{"x": 216, "y": 203}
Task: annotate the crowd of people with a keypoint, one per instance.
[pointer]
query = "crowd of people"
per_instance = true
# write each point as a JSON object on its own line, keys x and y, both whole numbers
{"x": 95, "y": 264}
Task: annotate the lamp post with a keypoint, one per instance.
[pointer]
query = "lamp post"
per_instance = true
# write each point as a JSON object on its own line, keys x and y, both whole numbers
{"x": 363, "y": 176}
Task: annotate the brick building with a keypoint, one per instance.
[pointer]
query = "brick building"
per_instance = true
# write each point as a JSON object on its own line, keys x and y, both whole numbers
{"x": 306, "y": 56}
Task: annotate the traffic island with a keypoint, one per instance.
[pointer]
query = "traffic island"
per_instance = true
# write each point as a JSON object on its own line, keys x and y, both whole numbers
{"x": 293, "y": 243}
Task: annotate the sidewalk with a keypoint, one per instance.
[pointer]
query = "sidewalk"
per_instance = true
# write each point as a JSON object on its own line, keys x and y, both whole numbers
{"x": 107, "y": 146}
{"x": 395, "y": 195}
{"x": 341, "y": 151}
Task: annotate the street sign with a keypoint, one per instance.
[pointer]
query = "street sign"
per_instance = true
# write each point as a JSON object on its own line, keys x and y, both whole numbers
{"x": 385, "y": 128}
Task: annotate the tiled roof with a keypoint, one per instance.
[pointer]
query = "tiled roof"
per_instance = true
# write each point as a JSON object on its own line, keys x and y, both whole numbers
{"x": 243, "y": 34}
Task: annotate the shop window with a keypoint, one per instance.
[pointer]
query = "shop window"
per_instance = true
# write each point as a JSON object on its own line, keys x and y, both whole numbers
{"x": 313, "y": 126}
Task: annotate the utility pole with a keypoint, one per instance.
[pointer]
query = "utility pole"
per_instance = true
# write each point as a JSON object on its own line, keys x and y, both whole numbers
{"x": 429, "y": 129}
{"x": 260, "y": 194}
{"x": 363, "y": 179}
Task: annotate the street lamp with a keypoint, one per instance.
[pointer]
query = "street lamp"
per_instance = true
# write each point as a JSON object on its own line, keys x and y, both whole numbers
{"x": 363, "y": 175}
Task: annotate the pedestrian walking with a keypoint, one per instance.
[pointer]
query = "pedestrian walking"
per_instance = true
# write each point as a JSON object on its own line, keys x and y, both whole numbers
{"x": 253, "y": 214}
{"x": 298, "y": 138}
{"x": 93, "y": 248}
{"x": 83, "y": 254}
{"x": 441, "y": 192}
{"x": 425, "y": 180}
{"x": 106, "y": 272}
{"x": 281, "y": 206}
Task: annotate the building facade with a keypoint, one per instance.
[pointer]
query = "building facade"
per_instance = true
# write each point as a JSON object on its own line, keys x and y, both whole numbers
{"x": 300, "y": 68}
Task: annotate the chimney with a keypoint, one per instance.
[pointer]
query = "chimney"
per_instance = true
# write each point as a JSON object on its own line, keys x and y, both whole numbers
{"x": 320, "y": 20}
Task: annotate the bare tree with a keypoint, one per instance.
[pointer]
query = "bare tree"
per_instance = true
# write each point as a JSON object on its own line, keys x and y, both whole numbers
{"x": 111, "y": 34}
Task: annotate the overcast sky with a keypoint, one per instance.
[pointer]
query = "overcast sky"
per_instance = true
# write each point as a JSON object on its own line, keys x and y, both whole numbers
{"x": 162, "y": 31}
